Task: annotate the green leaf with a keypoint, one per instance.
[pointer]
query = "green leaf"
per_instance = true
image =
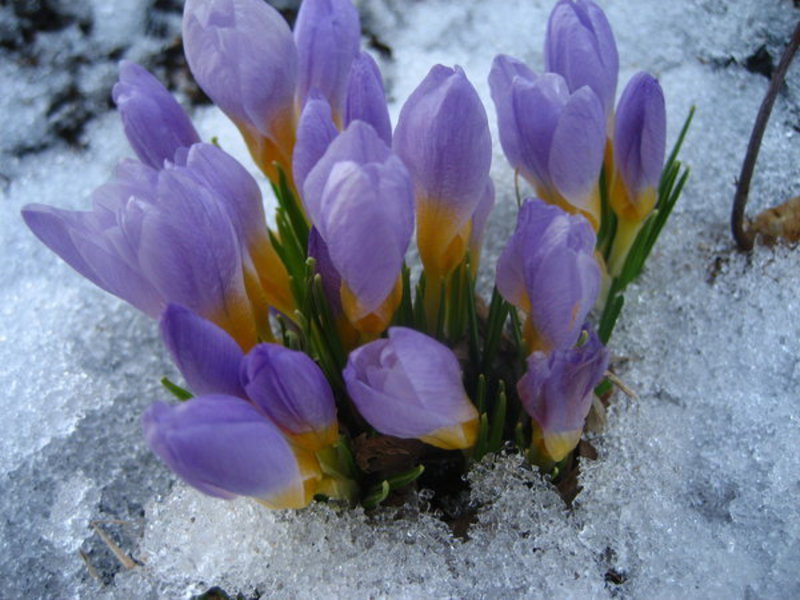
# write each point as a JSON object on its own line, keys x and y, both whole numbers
{"x": 376, "y": 494}
{"x": 403, "y": 479}
{"x": 498, "y": 419}
{"x": 176, "y": 390}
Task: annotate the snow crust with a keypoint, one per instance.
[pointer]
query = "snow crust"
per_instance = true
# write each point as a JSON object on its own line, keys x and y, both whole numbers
{"x": 693, "y": 495}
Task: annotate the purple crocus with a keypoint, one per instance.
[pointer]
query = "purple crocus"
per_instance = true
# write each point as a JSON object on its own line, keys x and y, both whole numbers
{"x": 154, "y": 122}
{"x": 327, "y": 34}
{"x": 548, "y": 270}
{"x": 291, "y": 389}
{"x": 242, "y": 53}
{"x": 580, "y": 47}
{"x": 409, "y": 386}
{"x": 557, "y": 393}
{"x": 360, "y": 200}
{"x": 315, "y": 132}
{"x": 225, "y": 447}
{"x": 554, "y": 138}
{"x": 640, "y": 138}
{"x": 154, "y": 237}
{"x": 443, "y": 137}
{"x": 366, "y": 98}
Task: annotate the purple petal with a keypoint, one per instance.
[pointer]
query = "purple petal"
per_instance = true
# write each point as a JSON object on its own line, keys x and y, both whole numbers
{"x": 327, "y": 34}
{"x": 367, "y": 222}
{"x": 443, "y": 137}
{"x": 190, "y": 252}
{"x": 479, "y": 219}
{"x": 315, "y": 132}
{"x": 366, "y": 99}
{"x": 504, "y": 70}
{"x": 408, "y": 385}
{"x": 580, "y": 46}
{"x": 79, "y": 240}
{"x": 358, "y": 143}
{"x": 155, "y": 124}
{"x": 577, "y": 147}
{"x": 557, "y": 389}
{"x": 224, "y": 447}
{"x": 242, "y": 54}
{"x": 291, "y": 389}
{"x": 207, "y": 357}
{"x": 640, "y": 133}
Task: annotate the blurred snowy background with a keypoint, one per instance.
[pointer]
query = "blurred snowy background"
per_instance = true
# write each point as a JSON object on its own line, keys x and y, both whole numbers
{"x": 695, "y": 491}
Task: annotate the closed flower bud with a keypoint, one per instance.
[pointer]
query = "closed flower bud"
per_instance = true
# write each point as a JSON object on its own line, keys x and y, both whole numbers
{"x": 548, "y": 270}
{"x": 580, "y": 47}
{"x": 443, "y": 138}
{"x": 327, "y": 34}
{"x": 366, "y": 99}
{"x": 293, "y": 392}
{"x": 409, "y": 386}
{"x": 554, "y": 138}
{"x": 225, "y": 447}
{"x": 557, "y": 393}
{"x": 242, "y": 54}
{"x": 154, "y": 122}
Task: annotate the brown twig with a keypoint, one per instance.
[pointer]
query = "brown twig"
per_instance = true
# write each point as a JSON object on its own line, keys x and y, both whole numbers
{"x": 744, "y": 236}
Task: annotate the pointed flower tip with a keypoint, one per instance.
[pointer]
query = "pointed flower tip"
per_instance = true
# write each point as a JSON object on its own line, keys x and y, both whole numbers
{"x": 409, "y": 386}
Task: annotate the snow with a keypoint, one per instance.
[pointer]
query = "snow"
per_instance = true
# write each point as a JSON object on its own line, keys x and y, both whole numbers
{"x": 694, "y": 492}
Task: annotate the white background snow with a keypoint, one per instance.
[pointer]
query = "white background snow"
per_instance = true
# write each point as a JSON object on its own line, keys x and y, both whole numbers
{"x": 695, "y": 491}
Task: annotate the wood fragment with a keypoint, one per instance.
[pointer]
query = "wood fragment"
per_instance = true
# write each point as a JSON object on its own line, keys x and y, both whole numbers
{"x": 125, "y": 560}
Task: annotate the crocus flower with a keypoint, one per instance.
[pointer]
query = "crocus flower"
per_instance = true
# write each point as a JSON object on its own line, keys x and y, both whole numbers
{"x": 360, "y": 200}
{"x": 366, "y": 98}
{"x": 548, "y": 271}
{"x": 554, "y": 138}
{"x": 154, "y": 237}
{"x": 241, "y": 52}
{"x": 557, "y": 393}
{"x": 443, "y": 137}
{"x": 580, "y": 47}
{"x": 639, "y": 148}
{"x": 225, "y": 447}
{"x": 292, "y": 390}
{"x": 409, "y": 386}
{"x": 155, "y": 124}
{"x": 327, "y": 34}
{"x": 315, "y": 132}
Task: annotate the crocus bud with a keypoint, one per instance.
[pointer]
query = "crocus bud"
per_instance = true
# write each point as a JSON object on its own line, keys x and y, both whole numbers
{"x": 557, "y": 393}
{"x": 291, "y": 389}
{"x": 548, "y": 271}
{"x": 554, "y": 138}
{"x": 443, "y": 137}
{"x": 359, "y": 197}
{"x": 266, "y": 278}
{"x": 327, "y": 34}
{"x": 409, "y": 386}
{"x": 580, "y": 47}
{"x": 366, "y": 99}
{"x": 208, "y": 358}
{"x": 242, "y": 53}
{"x": 640, "y": 138}
{"x": 155, "y": 124}
{"x": 225, "y": 447}
{"x": 315, "y": 132}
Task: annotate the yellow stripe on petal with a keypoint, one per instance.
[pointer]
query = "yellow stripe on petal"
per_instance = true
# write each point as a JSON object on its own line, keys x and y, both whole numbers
{"x": 371, "y": 324}
{"x": 236, "y": 317}
{"x": 442, "y": 243}
{"x": 315, "y": 440}
{"x": 273, "y": 276}
{"x": 278, "y": 148}
{"x": 456, "y": 437}
{"x": 302, "y": 491}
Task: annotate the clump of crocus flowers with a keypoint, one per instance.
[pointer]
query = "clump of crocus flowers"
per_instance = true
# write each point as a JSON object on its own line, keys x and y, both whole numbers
{"x": 311, "y": 359}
